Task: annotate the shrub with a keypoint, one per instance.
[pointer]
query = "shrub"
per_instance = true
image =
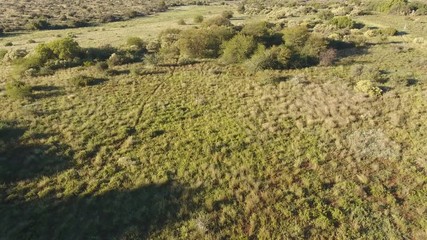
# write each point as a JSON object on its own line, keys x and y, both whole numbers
{"x": 342, "y": 22}
{"x": 137, "y": 43}
{"x": 295, "y": 37}
{"x": 327, "y": 57}
{"x": 390, "y": 6}
{"x": 116, "y": 59}
{"x": 256, "y": 29}
{"x": 368, "y": 87}
{"x": 82, "y": 81}
{"x": 389, "y": 31}
{"x": 168, "y": 37}
{"x": 8, "y": 44}
{"x": 227, "y": 14}
{"x": 1, "y": 31}
{"x": 273, "y": 58}
{"x": 198, "y": 19}
{"x": 56, "y": 54}
{"x": 325, "y": 15}
{"x": 217, "y": 21}
{"x": 39, "y": 24}
{"x": 65, "y": 48}
{"x": 202, "y": 43}
{"x": 99, "y": 54}
{"x": 313, "y": 46}
{"x": 181, "y": 22}
{"x": 262, "y": 32}
{"x": 153, "y": 46}
{"x": 18, "y": 89}
{"x": 3, "y": 53}
{"x": 101, "y": 66}
{"x": 238, "y": 49}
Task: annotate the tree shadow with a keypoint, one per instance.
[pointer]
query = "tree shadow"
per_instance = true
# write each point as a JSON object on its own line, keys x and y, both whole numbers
{"x": 46, "y": 91}
{"x": 20, "y": 161}
{"x": 133, "y": 214}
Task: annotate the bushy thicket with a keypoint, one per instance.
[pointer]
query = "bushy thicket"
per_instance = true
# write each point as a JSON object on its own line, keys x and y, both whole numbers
{"x": 66, "y": 52}
{"x": 238, "y": 49}
{"x": 402, "y": 7}
{"x": 203, "y": 43}
{"x": 56, "y": 54}
{"x": 262, "y": 45}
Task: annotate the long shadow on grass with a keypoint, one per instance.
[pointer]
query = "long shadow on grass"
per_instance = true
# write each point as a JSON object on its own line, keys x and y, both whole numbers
{"x": 117, "y": 214}
{"x": 19, "y": 161}
{"x": 45, "y": 91}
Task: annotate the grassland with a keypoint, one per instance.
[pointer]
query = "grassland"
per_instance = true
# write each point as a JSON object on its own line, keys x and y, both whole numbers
{"x": 207, "y": 151}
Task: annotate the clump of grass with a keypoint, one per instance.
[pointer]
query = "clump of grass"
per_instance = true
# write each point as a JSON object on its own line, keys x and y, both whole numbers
{"x": 368, "y": 87}
{"x": 18, "y": 90}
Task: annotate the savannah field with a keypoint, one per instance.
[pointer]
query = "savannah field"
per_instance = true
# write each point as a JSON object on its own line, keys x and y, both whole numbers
{"x": 277, "y": 120}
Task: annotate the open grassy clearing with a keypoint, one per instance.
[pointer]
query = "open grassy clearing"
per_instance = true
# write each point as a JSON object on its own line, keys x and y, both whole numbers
{"x": 206, "y": 151}
{"x": 116, "y": 33}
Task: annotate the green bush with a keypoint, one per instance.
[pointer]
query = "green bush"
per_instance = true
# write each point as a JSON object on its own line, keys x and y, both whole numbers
{"x": 295, "y": 37}
{"x": 277, "y": 57}
{"x": 18, "y": 90}
{"x": 342, "y": 22}
{"x": 39, "y": 24}
{"x": 8, "y": 44}
{"x": 181, "y": 22}
{"x": 227, "y": 14}
{"x": 203, "y": 43}
{"x": 368, "y": 87}
{"x": 136, "y": 43}
{"x": 217, "y": 21}
{"x": 169, "y": 37}
{"x": 56, "y": 54}
{"x": 314, "y": 45}
{"x": 325, "y": 15}
{"x": 82, "y": 81}
{"x": 262, "y": 32}
{"x": 99, "y": 54}
{"x": 238, "y": 49}
{"x": 198, "y": 19}
{"x": 388, "y": 31}
{"x": 392, "y": 6}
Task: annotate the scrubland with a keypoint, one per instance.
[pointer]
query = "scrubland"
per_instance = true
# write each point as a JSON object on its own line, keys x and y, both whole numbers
{"x": 178, "y": 134}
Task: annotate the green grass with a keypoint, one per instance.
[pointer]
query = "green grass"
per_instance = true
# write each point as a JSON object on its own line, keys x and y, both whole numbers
{"x": 206, "y": 151}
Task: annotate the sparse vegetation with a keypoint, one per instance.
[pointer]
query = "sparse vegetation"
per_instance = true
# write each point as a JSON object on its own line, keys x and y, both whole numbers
{"x": 214, "y": 131}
